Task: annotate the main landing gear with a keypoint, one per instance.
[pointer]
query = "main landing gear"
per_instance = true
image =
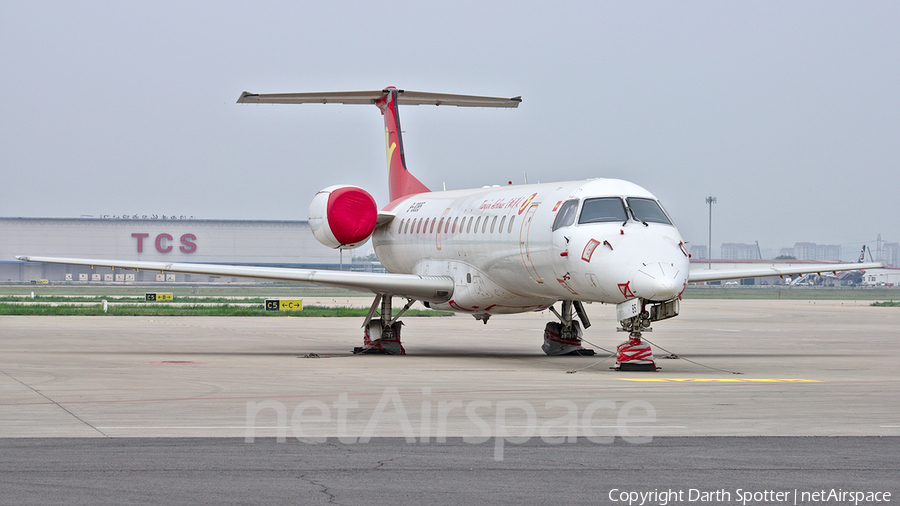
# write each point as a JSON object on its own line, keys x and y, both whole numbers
{"x": 382, "y": 335}
{"x": 564, "y": 337}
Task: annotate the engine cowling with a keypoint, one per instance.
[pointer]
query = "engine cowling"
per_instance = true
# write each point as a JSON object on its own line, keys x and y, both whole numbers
{"x": 342, "y": 216}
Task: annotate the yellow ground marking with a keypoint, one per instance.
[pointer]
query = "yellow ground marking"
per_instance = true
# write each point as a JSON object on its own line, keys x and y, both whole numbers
{"x": 723, "y": 380}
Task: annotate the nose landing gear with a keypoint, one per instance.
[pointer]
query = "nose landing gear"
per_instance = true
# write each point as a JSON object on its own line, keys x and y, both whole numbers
{"x": 635, "y": 316}
{"x": 635, "y": 354}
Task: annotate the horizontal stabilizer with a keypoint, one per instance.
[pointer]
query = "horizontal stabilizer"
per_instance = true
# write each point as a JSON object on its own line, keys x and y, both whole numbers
{"x": 384, "y": 217}
{"x": 370, "y": 97}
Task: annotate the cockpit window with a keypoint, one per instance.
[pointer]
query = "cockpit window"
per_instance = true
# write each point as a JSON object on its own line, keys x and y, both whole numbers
{"x": 566, "y": 214}
{"x": 602, "y": 210}
{"x": 647, "y": 210}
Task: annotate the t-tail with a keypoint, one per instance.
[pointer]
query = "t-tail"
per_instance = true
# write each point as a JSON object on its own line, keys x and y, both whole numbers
{"x": 401, "y": 182}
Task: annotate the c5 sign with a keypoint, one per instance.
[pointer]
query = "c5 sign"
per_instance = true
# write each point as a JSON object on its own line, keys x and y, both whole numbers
{"x": 284, "y": 305}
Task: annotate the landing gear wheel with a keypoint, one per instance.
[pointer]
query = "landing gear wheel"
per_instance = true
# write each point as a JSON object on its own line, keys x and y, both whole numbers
{"x": 564, "y": 337}
{"x": 559, "y": 342}
{"x": 381, "y": 340}
{"x": 635, "y": 355}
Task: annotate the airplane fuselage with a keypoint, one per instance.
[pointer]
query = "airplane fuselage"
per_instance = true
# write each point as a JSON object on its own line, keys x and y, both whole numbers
{"x": 507, "y": 251}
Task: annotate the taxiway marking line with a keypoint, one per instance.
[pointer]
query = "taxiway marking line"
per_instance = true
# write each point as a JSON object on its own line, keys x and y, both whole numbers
{"x": 243, "y": 331}
{"x": 166, "y": 427}
{"x": 722, "y": 380}
{"x": 199, "y": 428}
{"x": 623, "y": 426}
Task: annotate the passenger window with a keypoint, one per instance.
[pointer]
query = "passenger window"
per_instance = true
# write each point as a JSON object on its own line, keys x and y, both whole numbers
{"x": 511, "y": 220}
{"x": 446, "y": 225}
{"x": 419, "y": 227}
{"x": 493, "y": 222}
{"x": 477, "y": 222}
{"x": 432, "y": 226}
{"x": 566, "y": 214}
{"x": 648, "y": 210}
{"x": 441, "y": 224}
{"x": 455, "y": 220}
{"x": 484, "y": 226}
{"x": 400, "y": 230}
{"x": 604, "y": 209}
{"x": 502, "y": 220}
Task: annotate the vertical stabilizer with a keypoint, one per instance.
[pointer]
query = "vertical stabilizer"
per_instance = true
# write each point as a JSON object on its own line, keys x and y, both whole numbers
{"x": 400, "y": 182}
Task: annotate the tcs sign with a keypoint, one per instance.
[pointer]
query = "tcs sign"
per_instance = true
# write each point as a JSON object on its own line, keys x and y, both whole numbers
{"x": 165, "y": 242}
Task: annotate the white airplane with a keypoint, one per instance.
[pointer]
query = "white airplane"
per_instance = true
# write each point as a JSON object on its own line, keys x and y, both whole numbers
{"x": 494, "y": 250}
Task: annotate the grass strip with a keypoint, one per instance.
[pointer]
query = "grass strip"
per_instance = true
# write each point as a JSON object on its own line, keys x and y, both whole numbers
{"x": 133, "y": 299}
{"x": 261, "y": 290}
{"x": 223, "y": 310}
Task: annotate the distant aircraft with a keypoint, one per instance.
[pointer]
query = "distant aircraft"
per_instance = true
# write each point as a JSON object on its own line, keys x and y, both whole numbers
{"x": 494, "y": 250}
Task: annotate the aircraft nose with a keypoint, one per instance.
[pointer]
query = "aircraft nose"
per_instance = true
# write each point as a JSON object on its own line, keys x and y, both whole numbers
{"x": 658, "y": 281}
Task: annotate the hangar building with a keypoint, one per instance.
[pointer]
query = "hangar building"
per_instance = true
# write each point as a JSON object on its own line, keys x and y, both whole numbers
{"x": 268, "y": 243}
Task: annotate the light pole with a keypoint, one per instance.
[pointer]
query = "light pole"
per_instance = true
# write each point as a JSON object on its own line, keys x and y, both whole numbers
{"x": 710, "y": 200}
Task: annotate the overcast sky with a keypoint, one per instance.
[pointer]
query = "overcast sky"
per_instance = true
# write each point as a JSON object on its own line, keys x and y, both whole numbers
{"x": 787, "y": 112}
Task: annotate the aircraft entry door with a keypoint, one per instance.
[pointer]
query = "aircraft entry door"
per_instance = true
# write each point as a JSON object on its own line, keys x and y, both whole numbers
{"x": 523, "y": 243}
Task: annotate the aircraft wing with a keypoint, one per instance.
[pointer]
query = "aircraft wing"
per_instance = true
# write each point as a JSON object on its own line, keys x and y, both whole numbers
{"x": 426, "y": 288}
{"x": 774, "y": 270}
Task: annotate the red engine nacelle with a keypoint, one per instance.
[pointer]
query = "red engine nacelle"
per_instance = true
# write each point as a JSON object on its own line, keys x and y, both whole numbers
{"x": 342, "y": 216}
